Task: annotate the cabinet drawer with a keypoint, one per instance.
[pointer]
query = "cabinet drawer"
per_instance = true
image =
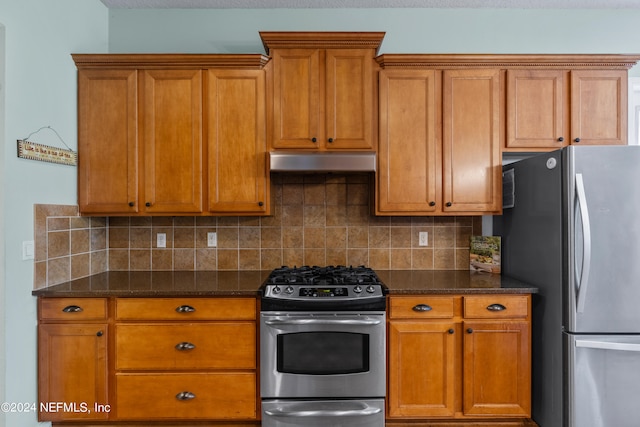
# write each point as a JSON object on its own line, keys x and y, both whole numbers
{"x": 496, "y": 306}
{"x": 186, "y": 308}
{"x": 427, "y": 307}
{"x": 186, "y": 396}
{"x": 73, "y": 308}
{"x": 186, "y": 346}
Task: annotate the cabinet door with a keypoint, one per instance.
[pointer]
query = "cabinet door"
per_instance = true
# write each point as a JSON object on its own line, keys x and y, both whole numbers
{"x": 536, "y": 104}
{"x": 497, "y": 369}
{"x": 421, "y": 369}
{"x": 108, "y": 141}
{"x": 472, "y": 118}
{"x": 296, "y": 98}
{"x": 599, "y": 107}
{"x": 238, "y": 179}
{"x": 72, "y": 368}
{"x": 172, "y": 130}
{"x": 408, "y": 155}
{"x": 349, "y": 99}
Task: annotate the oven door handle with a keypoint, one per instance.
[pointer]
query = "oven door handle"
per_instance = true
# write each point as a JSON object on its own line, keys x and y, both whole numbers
{"x": 281, "y": 412}
{"x": 350, "y": 322}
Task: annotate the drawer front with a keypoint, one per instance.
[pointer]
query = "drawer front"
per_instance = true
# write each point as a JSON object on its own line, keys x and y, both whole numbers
{"x": 189, "y": 346}
{"x": 427, "y": 307}
{"x": 211, "y": 396}
{"x": 186, "y": 308}
{"x": 73, "y": 308}
{"x": 496, "y": 306}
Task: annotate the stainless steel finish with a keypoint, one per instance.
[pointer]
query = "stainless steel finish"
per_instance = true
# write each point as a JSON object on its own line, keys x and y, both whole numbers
{"x": 343, "y": 413}
{"x": 182, "y": 346}
{"x": 185, "y": 395}
{"x": 603, "y": 380}
{"x": 274, "y": 384}
{"x": 574, "y": 232}
{"x": 292, "y": 292}
{"x": 353, "y": 161}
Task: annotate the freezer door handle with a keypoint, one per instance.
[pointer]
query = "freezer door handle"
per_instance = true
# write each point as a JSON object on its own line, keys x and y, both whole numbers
{"x": 606, "y": 345}
{"x": 581, "y": 290}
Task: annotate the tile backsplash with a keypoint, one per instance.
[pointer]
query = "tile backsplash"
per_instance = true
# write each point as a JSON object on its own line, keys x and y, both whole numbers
{"x": 318, "y": 219}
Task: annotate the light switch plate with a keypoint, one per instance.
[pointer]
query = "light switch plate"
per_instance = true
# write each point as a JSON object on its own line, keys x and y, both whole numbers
{"x": 28, "y": 250}
{"x": 423, "y": 238}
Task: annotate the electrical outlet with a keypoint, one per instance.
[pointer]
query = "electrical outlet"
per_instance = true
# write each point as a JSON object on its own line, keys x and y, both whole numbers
{"x": 162, "y": 240}
{"x": 212, "y": 239}
{"x": 423, "y": 238}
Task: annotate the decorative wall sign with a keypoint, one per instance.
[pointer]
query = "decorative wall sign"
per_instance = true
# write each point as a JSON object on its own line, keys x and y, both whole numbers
{"x": 46, "y": 153}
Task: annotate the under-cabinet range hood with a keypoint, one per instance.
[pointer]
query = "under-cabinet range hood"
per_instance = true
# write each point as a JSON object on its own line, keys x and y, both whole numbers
{"x": 353, "y": 161}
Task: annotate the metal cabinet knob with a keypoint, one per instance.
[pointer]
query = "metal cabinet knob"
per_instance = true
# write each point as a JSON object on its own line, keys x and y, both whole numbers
{"x": 260, "y": 203}
{"x": 496, "y": 307}
{"x": 448, "y": 204}
{"x": 451, "y": 331}
{"x": 132, "y": 204}
{"x": 576, "y": 140}
{"x": 314, "y": 139}
{"x": 330, "y": 140}
{"x": 148, "y": 204}
{"x": 561, "y": 139}
{"x": 99, "y": 333}
{"x": 469, "y": 330}
{"x": 432, "y": 203}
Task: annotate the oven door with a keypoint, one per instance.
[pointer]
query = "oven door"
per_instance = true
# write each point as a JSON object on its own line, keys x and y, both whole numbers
{"x": 322, "y": 355}
{"x": 335, "y": 413}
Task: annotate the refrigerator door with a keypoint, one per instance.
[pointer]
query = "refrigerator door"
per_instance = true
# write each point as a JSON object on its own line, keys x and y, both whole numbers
{"x": 602, "y": 248}
{"x": 603, "y": 380}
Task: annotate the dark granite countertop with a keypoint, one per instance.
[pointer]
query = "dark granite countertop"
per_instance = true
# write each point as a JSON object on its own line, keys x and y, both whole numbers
{"x": 246, "y": 283}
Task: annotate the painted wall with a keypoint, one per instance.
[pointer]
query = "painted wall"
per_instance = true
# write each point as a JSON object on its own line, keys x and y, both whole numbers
{"x": 408, "y": 30}
{"x": 39, "y": 89}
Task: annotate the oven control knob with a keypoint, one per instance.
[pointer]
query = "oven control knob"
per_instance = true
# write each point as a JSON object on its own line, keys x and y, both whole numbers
{"x": 371, "y": 289}
{"x": 289, "y": 290}
{"x": 357, "y": 289}
{"x": 276, "y": 290}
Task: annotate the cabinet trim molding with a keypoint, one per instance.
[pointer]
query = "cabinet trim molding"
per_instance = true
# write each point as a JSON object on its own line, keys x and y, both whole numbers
{"x": 449, "y": 61}
{"x": 170, "y": 60}
{"x": 320, "y": 40}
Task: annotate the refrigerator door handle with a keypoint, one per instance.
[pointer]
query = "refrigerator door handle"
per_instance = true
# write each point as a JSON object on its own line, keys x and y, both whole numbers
{"x": 581, "y": 290}
{"x": 606, "y": 345}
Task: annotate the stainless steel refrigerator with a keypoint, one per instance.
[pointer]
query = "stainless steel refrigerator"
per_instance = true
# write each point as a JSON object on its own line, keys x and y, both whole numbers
{"x": 571, "y": 227}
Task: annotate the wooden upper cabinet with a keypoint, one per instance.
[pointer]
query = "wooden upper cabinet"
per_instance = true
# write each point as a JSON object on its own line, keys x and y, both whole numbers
{"x": 472, "y": 120}
{"x": 323, "y": 89}
{"x": 107, "y": 140}
{"x": 409, "y": 165}
{"x": 536, "y": 109}
{"x": 237, "y": 145}
{"x": 599, "y": 107}
{"x": 143, "y": 134}
{"x": 559, "y": 100}
{"x": 172, "y": 129}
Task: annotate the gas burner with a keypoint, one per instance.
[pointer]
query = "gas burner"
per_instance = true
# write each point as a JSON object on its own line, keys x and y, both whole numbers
{"x": 323, "y": 288}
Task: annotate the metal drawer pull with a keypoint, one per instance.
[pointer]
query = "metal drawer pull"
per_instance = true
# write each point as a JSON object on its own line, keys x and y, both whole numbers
{"x": 185, "y": 346}
{"x": 72, "y": 309}
{"x": 496, "y": 307}
{"x": 185, "y": 309}
{"x": 185, "y": 395}
{"x": 422, "y": 307}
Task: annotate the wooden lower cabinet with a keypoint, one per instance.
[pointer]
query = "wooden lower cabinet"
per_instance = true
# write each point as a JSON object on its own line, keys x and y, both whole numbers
{"x": 148, "y": 360}
{"x": 460, "y": 358}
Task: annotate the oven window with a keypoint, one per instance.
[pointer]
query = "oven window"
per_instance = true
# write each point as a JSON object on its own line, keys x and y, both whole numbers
{"x": 323, "y": 353}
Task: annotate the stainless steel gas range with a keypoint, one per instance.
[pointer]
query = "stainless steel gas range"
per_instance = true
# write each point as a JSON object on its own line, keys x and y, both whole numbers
{"x": 322, "y": 347}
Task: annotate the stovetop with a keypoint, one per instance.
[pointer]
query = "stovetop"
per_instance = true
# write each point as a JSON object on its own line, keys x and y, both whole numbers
{"x": 336, "y": 288}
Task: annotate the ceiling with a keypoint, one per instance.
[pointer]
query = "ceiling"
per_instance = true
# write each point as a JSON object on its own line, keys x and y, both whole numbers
{"x": 332, "y": 4}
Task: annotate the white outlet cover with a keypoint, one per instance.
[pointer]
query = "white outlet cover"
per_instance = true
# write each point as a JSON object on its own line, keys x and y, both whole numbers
{"x": 162, "y": 240}
{"x": 28, "y": 250}
{"x": 212, "y": 239}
